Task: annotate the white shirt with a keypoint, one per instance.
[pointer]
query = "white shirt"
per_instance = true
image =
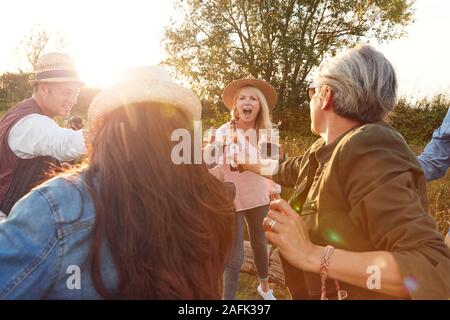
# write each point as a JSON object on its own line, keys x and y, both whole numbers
{"x": 38, "y": 135}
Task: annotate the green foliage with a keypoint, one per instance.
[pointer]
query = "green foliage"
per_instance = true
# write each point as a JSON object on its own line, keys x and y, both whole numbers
{"x": 296, "y": 120}
{"x": 14, "y": 87}
{"x": 214, "y": 116}
{"x": 416, "y": 122}
{"x": 280, "y": 41}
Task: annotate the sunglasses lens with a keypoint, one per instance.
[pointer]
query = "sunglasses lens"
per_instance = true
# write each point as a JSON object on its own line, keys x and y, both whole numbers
{"x": 311, "y": 92}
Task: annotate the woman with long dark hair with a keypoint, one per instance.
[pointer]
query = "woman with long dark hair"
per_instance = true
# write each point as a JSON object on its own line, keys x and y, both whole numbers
{"x": 131, "y": 224}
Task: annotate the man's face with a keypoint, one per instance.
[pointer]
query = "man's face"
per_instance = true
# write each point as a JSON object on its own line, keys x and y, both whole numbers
{"x": 59, "y": 98}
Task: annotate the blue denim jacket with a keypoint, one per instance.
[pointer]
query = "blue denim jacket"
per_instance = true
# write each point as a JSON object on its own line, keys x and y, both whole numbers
{"x": 435, "y": 158}
{"x": 45, "y": 244}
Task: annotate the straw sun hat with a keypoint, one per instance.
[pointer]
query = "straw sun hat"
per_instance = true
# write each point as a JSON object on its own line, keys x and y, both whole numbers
{"x": 145, "y": 84}
{"x": 266, "y": 88}
{"x": 55, "y": 67}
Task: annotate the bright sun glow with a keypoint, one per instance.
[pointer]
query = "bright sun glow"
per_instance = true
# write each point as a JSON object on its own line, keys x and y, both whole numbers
{"x": 106, "y": 36}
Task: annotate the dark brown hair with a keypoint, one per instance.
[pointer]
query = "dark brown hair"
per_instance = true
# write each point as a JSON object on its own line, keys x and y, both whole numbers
{"x": 168, "y": 227}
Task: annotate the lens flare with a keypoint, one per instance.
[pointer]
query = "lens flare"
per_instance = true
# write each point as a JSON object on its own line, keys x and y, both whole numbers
{"x": 411, "y": 284}
{"x": 333, "y": 236}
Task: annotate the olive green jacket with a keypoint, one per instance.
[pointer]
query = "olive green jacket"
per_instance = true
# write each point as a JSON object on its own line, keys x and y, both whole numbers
{"x": 367, "y": 192}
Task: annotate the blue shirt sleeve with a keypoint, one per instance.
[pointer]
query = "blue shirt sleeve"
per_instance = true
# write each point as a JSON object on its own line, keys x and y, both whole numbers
{"x": 28, "y": 249}
{"x": 435, "y": 158}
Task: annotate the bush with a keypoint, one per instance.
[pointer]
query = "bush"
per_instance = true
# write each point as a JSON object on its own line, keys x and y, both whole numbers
{"x": 6, "y": 105}
{"x": 416, "y": 122}
{"x": 296, "y": 120}
{"x": 14, "y": 87}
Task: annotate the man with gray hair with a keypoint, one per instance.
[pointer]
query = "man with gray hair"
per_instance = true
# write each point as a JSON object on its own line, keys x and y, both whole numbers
{"x": 358, "y": 213}
{"x": 31, "y": 142}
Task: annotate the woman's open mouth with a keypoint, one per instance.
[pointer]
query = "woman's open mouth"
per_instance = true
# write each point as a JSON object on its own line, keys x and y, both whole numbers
{"x": 247, "y": 111}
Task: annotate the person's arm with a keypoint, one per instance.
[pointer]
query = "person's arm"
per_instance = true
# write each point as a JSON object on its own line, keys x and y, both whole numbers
{"x": 284, "y": 171}
{"x": 264, "y": 167}
{"x": 38, "y": 135}
{"x": 29, "y": 251}
{"x": 435, "y": 158}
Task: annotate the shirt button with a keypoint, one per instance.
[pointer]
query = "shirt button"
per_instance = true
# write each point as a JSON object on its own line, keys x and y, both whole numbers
{"x": 313, "y": 206}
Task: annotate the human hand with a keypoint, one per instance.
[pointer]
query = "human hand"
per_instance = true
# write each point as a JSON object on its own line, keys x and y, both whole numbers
{"x": 75, "y": 123}
{"x": 285, "y": 229}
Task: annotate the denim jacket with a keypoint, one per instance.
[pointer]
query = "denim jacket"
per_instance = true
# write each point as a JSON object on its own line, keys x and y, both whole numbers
{"x": 45, "y": 244}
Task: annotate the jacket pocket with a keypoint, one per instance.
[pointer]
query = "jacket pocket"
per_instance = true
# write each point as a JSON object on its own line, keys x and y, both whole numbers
{"x": 309, "y": 215}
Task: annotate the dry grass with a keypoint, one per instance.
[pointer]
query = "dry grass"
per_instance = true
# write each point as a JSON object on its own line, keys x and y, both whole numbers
{"x": 247, "y": 289}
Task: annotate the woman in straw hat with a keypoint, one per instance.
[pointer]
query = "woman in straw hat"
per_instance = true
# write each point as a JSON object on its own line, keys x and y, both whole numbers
{"x": 131, "y": 224}
{"x": 249, "y": 100}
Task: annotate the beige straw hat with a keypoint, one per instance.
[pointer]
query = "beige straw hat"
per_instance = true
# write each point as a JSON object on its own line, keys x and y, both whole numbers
{"x": 145, "y": 84}
{"x": 266, "y": 88}
{"x": 55, "y": 67}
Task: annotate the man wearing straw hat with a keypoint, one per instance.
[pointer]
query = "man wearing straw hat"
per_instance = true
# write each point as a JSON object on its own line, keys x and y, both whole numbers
{"x": 31, "y": 142}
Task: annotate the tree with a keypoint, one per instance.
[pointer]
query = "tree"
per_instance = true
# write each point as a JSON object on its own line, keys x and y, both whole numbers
{"x": 36, "y": 42}
{"x": 280, "y": 41}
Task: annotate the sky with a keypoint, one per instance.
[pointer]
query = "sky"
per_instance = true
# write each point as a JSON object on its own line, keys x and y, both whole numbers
{"x": 106, "y": 36}
{"x": 422, "y": 58}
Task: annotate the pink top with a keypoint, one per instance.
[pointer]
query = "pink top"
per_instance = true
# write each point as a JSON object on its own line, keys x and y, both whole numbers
{"x": 252, "y": 190}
